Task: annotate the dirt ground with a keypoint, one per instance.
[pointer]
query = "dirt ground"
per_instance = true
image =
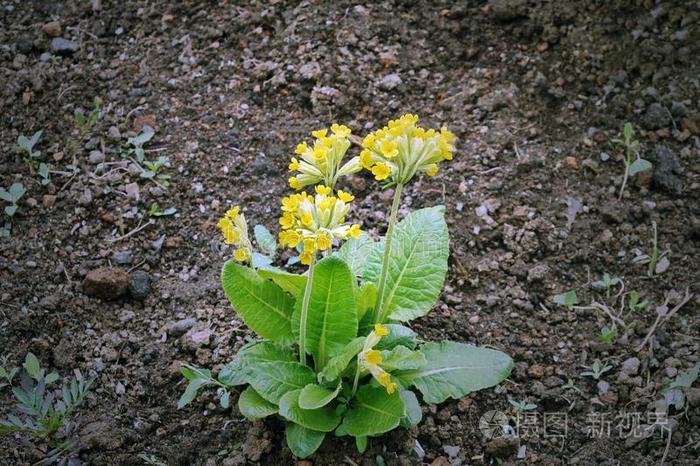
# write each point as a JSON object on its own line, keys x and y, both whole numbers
{"x": 535, "y": 91}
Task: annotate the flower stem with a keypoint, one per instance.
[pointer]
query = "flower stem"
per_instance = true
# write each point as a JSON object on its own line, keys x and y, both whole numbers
{"x": 378, "y": 308}
{"x": 305, "y": 312}
{"x": 357, "y": 378}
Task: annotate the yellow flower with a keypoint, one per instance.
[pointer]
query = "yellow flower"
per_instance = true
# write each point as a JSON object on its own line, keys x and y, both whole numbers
{"x": 373, "y": 357}
{"x": 234, "y": 229}
{"x": 322, "y": 162}
{"x": 287, "y": 220}
{"x": 307, "y": 219}
{"x": 324, "y": 240}
{"x": 366, "y": 159}
{"x": 340, "y": 130}
{"x": 405, "y": 149}
{"x": 389, "y": 148}
{"x": 354, "y": 231}
{"x": 381, "y": 171}
{"x": 310, "y": 245}
{"x": 241, "y": 255}
{"x": 289, "y": 238}
{"x": 323, "y": 190}
{"x": 301, "y": 148}
{"x": 345, "y": 197}
{"x": 319, "y": 133}
{"x": 306, "y": 257}
{"x": 381, "y": 330}
{"x": 294, "y": 183}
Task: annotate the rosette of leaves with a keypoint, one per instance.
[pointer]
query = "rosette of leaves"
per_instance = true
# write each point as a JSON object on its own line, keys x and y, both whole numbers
{"x": 329, "y": 392}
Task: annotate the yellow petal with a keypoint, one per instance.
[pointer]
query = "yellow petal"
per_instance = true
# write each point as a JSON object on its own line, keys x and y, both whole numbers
{"x": 381, "y": 330}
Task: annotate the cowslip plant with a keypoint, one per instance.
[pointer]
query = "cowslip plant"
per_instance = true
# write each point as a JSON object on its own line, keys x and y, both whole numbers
{"x": 135, "y": 144}
{"x": 336, "y": 354}
{"x": 12, "y": 195}
{"x": 633, "y": 162}
{"x": 27, "y": 145}
{"x": 153, "y": 170}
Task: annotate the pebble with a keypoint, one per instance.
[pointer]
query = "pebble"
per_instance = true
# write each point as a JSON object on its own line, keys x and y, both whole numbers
{"x": 631, "y": 366}
{"x": 64, "y": 47}
{"x": 49, "y": 200}
{"x": 106, "y": 283}
{"x": 52, "y": 28}
{"x": 96, "y": 157}
{"x": 139, "y": 285}
{"x": 122, "y": 258}
{"x": 656, "y": 117}
{"x": 390, "y": 82}
{"x": 179, "y": 327}
{"x": 536, "y": 371}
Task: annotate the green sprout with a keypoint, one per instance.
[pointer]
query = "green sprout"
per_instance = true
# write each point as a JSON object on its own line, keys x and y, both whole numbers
{"x": 568, "y": 299}
{"x": 137, "y": 143}
{"x": 154, "y": 211}
{"x": 633, "y": 162}
{"x": 153, "y": 171}
{"x": 596, "y": 370}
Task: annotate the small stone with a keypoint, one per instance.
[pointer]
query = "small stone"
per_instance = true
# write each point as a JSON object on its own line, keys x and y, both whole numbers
{"x": 310, "y": 70}
{"x": 139, "y": 285}
{"x": 106, "y": 283}
{"x": 179, "y": 327}
{"x": 631, "y": 366}
{"x": 133, "y": 191}
{"x": 96, "y": 157}
{"x": 656, "y": 117}
{"x": 502, "y": 447}
{"x": 48, "y": 200}
{"x": 122, "y": 257}
{"x": 571, "y": 162}
{"x": 63, "y": 47}
{"x": 390, "y": 81}
{"x": 52, "y": 28}
{"x": 144, "y": 120}
{"x": 440, "y": 461}
{"x": 508, "y": 10}
{"x": 690, "y": 125}
{"x": 536, "y": 371}
{"x": 693, "y": 396}
{"x": 666, "y": 170}
{"x": 113, "y": 133}
{"x": 452, "y": 451}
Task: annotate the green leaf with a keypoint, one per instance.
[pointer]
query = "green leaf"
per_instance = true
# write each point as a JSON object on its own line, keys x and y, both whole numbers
{"x": 639, "y": 165}
{"x": 402, "y": 358}
{"x": 273, "y": 379}
{"x": 685, "y": 379}
{"x": 17, "y": 190}
{"x": 568, "y": 299}
{"x": 11, "y": 210}
{"x": 414, "y": 413}
{"x": 361, "y": 444}
{"x": 332, "y": 319}
{"x": 190, "y": 392}
{"x": 24, "y": 143}
{"x": 289, "y": 282}
{"x": 365, "y": 297}
{"x": 35, "y": 137}
{"x": 417, "y": 265}
{"x": 6, "y": 196}
{"x": 399, "y": 335}
{"x": 264, "y": 306}
{"x": 455, "y": 370}
{"x": 253, "y": 406}
{"x": 374, "y": 412}
{"x": 337, "y": 364}
{"x": 265, "y": 240}
{"x": 234, "y": 373}
{"x": 322, "y": 419}
{"x": 31, "y": 365}
{"x": 315, "y": 396}
{"x": 628, "y": 131}
{"x": 355, "y": 252}
{"x": 302, "y": 441}
{"x": 259, "y": 260}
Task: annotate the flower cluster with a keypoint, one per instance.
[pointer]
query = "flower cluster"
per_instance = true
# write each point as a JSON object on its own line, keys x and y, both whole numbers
{"x": 401, "y": 149}
{"x": 371, "y": 359}
{"x": 321, "y": 161}
{"x": 235, "y": 230}
{"x": 315, "y": 221}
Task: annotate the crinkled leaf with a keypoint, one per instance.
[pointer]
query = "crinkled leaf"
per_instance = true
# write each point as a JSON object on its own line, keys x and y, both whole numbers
{"x": 355, "y": 252}
{"x": 254, "y": 406}
{"x": 322, "y": 419}
{"x": 289, "y": 282}
{"x": 365, "y": 297}
{"x": 273, "y": 379}
{"x": 332, "y": 319}
{"x": 267, "y": 242}
{"x": 402, "y": 358}
{"x": 337, "y": 364}
{"x": 417, "y": 265}
{"x": 414, "y": 413}
{"x": 234, "y": 373}
{"x": 264, "y": 306}
{"x": 374, "y": 412}
{"x": 302, "y": 441}
{"x": 639, "y": 165}
{"x": 454, "y": 370}
{"x": 315, "y": 396}
{"x": 399, "y": 335}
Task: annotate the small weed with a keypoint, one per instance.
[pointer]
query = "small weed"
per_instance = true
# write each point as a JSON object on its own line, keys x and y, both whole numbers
{"x": 150, "y": 460}
{"x": 136, "y": 144}
{"x": 85, "y": 123}
{"x": 12, "y": 196}
{"x": 44, "y": 174}
{"x": 568, "y": 299}
{"x": 606, "y": 283}
{"x": 657, "y": 258}
{"x": 596, "y": 370}
{"x": 27, "y": 145}
{"x": 521, "y": 406}
{"x": 607, "y": 334}
{"x": 633, "y": 163}
{"x": 154, "y": 211}
{"x": 153, "y": 171}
